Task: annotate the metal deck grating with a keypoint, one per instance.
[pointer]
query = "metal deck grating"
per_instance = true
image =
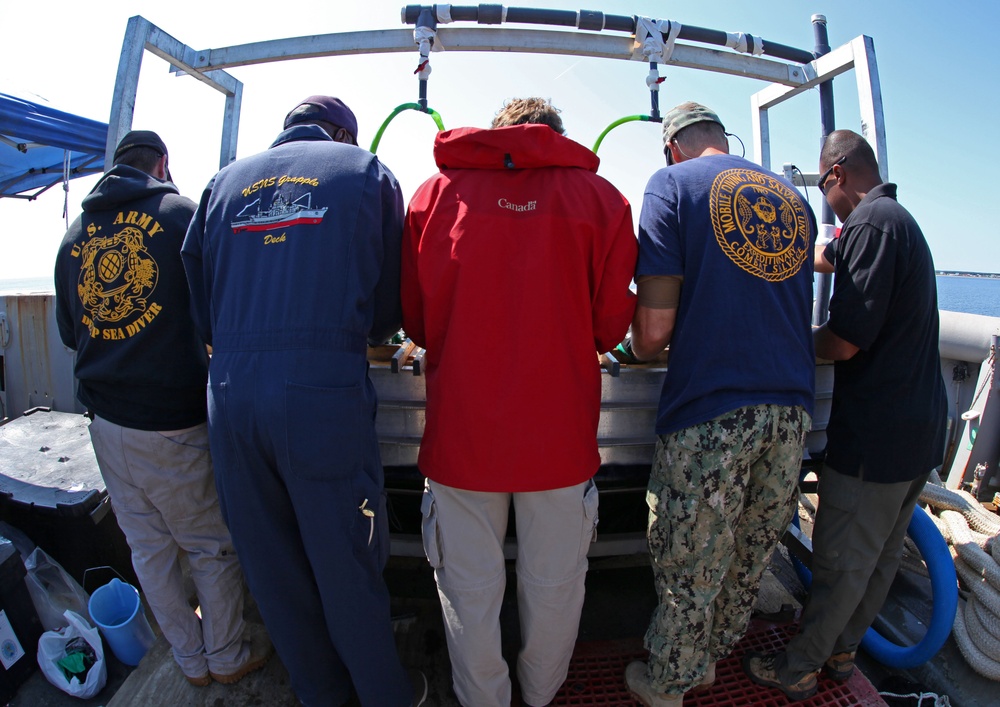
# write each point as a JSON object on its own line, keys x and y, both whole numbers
{"x": 597, "y": 677}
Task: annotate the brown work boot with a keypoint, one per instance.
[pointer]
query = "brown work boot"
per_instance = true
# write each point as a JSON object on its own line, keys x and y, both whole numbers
{"x": 637, "y": 682}
{"x": 260, "y": 652}
{"x": 761, "y": 668}
{"x": 204, "y": 681}
{"x": 839, "y": 667}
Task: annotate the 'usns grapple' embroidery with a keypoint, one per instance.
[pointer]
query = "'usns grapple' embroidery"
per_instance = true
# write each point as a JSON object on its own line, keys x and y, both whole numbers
{"x": 282, "y": 213}
{"x": 760, "y": 223}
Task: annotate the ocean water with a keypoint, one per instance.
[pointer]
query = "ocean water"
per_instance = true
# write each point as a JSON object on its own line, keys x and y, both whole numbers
{"x": 974, "y": 295}
{"x": 26, "y": 285}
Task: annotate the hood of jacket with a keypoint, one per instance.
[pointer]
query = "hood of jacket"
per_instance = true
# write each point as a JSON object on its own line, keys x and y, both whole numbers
{"x": 513, "y": 147}
{"x": 121, "y": 184}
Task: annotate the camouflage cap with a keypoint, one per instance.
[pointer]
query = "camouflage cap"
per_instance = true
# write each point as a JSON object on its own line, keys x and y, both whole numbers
{"x": 686, "y": 114}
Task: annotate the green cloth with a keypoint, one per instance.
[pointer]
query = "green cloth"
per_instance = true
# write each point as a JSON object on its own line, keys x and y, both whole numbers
{"x": 74, "y": 665}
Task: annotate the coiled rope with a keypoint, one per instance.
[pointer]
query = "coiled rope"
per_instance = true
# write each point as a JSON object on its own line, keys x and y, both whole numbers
{"x": 936, "y": 700}
{"x": 974, "y": 535}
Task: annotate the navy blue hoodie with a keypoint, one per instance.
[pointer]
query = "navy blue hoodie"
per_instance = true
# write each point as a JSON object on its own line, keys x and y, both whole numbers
{"x": 122, "y": 303}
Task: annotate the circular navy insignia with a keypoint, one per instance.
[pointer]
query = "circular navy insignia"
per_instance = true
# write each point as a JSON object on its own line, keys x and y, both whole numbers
{"x": 117, "y": 275}
{"x": 761, "y": 224}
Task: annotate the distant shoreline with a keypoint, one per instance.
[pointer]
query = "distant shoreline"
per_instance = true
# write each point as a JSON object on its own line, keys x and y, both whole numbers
{"x": 959, "y": 273}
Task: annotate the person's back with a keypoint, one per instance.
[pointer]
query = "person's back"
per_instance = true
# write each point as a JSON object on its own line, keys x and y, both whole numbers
{"x": 893, "y": 429}
{"x": 516, "y": 267}
{"x": 738, "y": 237}
{"x": 520, "y": 247}
{"x": 122, "y": 302}
{"x": 293, "y": 260}
{"x": 299, "y": 228}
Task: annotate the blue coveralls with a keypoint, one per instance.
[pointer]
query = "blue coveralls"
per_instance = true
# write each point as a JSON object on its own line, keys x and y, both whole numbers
{"x": 289, "y": 290}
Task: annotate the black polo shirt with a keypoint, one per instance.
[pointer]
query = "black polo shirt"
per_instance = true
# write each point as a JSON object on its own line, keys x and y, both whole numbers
{"x": 889, "y": 402}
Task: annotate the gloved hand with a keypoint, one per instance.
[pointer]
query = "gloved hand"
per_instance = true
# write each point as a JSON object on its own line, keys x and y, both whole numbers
{"x": 623, "y": 352}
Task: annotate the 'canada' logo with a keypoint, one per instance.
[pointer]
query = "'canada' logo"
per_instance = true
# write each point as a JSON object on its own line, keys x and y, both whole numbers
{"x": 761, "y": 224}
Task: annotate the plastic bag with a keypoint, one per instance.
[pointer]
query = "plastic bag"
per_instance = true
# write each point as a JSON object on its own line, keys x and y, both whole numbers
{"x": 52, "y": 649}
{"x": 53, "y": 590}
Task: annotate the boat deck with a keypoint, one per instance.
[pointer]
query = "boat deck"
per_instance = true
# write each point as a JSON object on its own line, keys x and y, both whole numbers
{"x": 619, "y": 600}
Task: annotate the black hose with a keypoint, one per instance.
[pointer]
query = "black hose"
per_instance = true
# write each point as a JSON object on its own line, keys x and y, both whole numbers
{"x": 591, "y": 20}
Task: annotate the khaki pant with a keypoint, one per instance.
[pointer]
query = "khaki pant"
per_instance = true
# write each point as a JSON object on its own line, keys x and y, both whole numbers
{"x": 463, "y": 538}
{"x": 163, "y": 492}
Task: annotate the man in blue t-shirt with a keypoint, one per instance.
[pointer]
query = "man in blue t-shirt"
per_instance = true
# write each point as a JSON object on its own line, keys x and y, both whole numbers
{"x": 725, "y": 278}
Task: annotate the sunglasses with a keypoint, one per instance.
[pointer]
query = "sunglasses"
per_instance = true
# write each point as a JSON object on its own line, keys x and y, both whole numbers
{"x": 826, "y": 175}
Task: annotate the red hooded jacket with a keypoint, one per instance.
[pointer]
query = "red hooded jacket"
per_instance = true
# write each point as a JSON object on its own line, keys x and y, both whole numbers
{"x": 517, "y": 260}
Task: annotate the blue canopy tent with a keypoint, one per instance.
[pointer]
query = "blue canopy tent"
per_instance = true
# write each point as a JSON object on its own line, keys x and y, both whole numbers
{"x": 35, "y": 143}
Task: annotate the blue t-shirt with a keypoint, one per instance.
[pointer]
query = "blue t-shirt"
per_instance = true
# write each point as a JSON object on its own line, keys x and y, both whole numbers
{"x": 742, "y": 238}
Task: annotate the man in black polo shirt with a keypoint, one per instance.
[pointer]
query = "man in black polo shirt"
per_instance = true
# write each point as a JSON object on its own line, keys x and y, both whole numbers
{"x": 887, "y": 423}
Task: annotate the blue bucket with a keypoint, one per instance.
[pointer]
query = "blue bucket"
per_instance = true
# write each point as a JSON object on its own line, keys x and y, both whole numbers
{"x": 117, "y": 611}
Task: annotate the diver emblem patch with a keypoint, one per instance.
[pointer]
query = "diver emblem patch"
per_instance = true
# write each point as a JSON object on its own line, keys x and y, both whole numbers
{"x": 117, "y": 277}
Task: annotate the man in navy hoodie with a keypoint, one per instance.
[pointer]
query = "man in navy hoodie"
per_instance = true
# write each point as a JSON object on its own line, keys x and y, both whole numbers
{"x": 293, "y": 261}
{"x": 122, "y": 303}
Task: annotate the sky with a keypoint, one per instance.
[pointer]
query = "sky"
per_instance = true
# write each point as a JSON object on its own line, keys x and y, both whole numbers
{"x": 938, "y": 74}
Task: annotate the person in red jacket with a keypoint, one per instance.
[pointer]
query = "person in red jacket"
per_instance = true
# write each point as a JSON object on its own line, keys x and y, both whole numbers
{"x": 515, "y": 243}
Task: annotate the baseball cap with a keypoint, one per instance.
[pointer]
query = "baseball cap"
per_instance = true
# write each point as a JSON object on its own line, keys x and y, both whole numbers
{"x": 332, "y": 110}
{"x": 140, "y": 138}
{"x": 682, "y": 116}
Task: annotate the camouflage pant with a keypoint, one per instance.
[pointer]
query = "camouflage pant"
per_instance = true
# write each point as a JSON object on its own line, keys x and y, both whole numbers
{"x": 720, "y": 495}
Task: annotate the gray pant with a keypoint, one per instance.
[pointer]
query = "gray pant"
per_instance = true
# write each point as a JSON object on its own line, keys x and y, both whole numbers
{"x": 463, "y": 537}
{"x": 857, "y": 547}
{"x": 163, "y": 493}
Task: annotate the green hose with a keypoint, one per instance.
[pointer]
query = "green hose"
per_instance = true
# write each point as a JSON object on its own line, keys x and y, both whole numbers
{"x": 399, "y": 109}
{"x": 620, "y": 121}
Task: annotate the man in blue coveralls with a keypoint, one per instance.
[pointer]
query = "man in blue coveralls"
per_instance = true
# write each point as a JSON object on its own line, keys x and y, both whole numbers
{"x": 293, "y": 263}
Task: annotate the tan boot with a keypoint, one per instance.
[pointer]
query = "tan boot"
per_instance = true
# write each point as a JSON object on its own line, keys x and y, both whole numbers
{"x": 260, "y": 652}
{"x": 707, "y": 681}
{"x": 637, "y": 681}
{"x": 839, "y": 667}
{"x": 761, "y": 668}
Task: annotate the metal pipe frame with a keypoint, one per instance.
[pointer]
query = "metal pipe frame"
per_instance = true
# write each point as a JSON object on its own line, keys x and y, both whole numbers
{"x": 858, "y": 54}
{"x": 590, "y": 20}
{"x": 462, "y": 39}
{"x": 824, "y": 281}
{"x": 208, "y": 65}
{"x": 142, "y": 36}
